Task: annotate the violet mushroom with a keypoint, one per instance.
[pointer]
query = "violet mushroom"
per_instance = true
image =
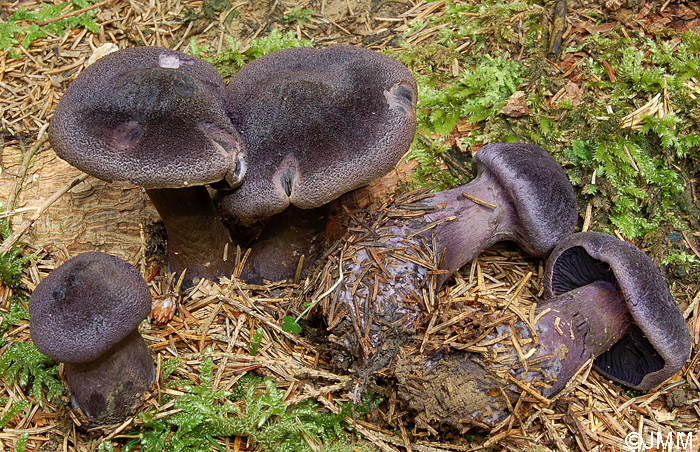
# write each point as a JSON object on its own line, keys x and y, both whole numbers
{"x": 156, "y": 117}
{"x": 316, "y": 124}
{"x": 457, "y": 387}
{"x": 86, "y": 314}
{"x": 606, "y": 302}
{"x": 392, "y": 266}
{"x": 654, "y": 342}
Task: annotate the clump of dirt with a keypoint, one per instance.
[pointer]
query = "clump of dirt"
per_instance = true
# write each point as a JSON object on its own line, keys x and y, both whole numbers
{"x": 451, "y": 390}
{"x": 384, "y": 276}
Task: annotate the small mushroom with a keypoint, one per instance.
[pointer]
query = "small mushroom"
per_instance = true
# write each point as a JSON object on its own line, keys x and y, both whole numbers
{"x": 156, "y": 117}
{"x": 316, "y": 124}
{"x": 656, "y": 342}
{"x": 86, "y": 314}
{"x": 393, "y": 266}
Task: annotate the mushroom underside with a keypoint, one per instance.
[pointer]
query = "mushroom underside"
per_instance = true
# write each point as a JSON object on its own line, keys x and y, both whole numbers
{"x": 630, "y": 359}
{"x": 657, "y": 343}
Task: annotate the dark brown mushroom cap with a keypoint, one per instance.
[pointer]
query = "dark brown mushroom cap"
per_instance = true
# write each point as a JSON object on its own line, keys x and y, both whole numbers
{"x": 87, "y": 305}
{"x": 539, "y": 189}
{"x": 317, "y": 124}
{"x": 151, "y": 116}
{"x": 658, "y": 343}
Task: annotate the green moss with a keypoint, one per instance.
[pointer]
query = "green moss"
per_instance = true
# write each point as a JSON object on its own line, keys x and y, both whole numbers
{"x": 475, "y": 96}
{"x": 255, "y": 341}
{"x": 254, "y": 408}
{"x": 16, "y": 407}
{"x": 639, "y": 171}
{"x": 23, "y": 27}
{"x": 297, "y": 15}
{"x": 231, "y": 59}
{"x": 12, "y": 263}
{"x": 32, "y": 371}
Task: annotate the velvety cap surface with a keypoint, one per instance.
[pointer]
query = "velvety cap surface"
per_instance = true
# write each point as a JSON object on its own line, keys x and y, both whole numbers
{"x": 658, "y": 343}
{"x": 151, "y": 116}
{"x": 317, "y": 124}
{"x": 86, "y": 305}
{"x": 540, "y": 190}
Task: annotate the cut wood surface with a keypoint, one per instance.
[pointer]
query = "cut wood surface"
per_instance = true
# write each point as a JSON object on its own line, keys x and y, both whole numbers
{"x": 94, "y": 216}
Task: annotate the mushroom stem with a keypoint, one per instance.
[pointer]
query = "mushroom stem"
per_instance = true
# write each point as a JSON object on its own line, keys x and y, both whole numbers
{"x": 397, "y": 260}
{"x": 570, "y": 329}
{"x": 197, "y": 238}
{"x": 413, "y": 254}
{"x": 471, "y": 218}
{"x": 112, "y": 386}
{"x": 573, "y": 328}
{"x": 657, "y": 343}
{"x": 404, "y": 259}
{"x": 287, "y": 238}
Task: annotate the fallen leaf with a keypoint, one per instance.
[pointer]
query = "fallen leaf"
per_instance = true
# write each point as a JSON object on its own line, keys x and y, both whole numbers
{"x": 685, "y": 13}
{"x": 574, "y": 93}
{"x": 516, "y": 106}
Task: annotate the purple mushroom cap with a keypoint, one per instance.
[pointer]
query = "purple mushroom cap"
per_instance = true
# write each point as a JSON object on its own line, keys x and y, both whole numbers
{"x": 657, "y": 343}
{"x": 317, "y": 124}
{"x": 151, "y": 116}
{"x": 85, "y": 306}
{"x": 539, "y": 190}
{"x": 156, "y": 117}
{"x": 531, "y": 202}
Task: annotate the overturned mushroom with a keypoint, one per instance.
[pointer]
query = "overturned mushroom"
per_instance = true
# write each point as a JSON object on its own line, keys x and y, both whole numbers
{"x": 393, "y": 264}
{"x": 656, "y": 343}
{"x": 86, "y": 314}
{"x": 156, "y": 117}
{"x": 466, "y": 387}
{"x": 608, "y": 304}
{"x": 316, "y": 124}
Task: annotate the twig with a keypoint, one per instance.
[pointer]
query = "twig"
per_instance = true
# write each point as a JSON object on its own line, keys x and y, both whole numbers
{"x": 26, "y": 163}
{"x": 24, "y": 227}
{"x": 528, "y": 389}
{"x": 478, "y": 201}
{"x": 326, "y": 293}
{"x": 245, "y": 309}
{"x": 367, "y": 433}
{"x": 558, "y": 28}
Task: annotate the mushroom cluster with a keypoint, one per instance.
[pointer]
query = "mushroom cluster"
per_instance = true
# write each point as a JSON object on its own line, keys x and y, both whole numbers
{"x": 604, "y": 299}
{"x": 297, "y": 127}
{"x": 256, "y": 164}
{"x": 293, "y": 131}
